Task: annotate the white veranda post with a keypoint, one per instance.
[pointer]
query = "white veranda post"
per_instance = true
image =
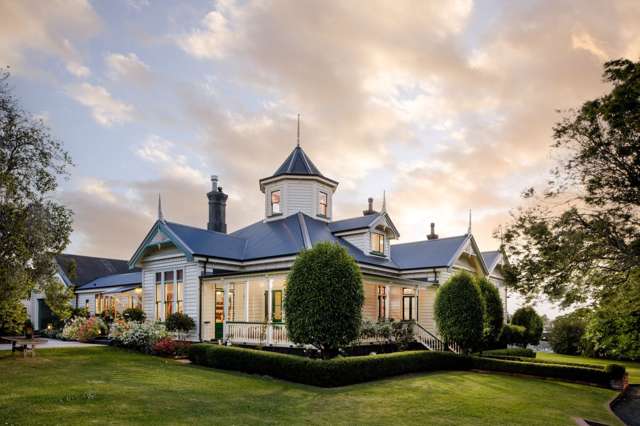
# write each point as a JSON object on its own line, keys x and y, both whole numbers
{"x": 225, "y": 309}
{"x": 387, "y": 300}
{"x": 269, "y": 308}
{"x": 246, "y": 301}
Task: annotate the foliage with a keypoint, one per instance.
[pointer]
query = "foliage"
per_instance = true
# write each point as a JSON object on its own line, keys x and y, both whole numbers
{"x": 494, "y": 313}
{"x": 566, "y": 334}
{"x": 109, "y": 315}
{"x": 141, "y": 336}
{"x": 323, "y": 299}
{"x": 597, "y": 376}
{"x": 513, "y": 335}
{"x": 12, "y": 316}
{"x": 180, "y": 323}
{"x": 33, "y": 226}
{"x": 58, "y": 297}
{"x": 134, "y": 314}
{"x": 511, "y": 352}
{"x": 84, "y": 329}
{"x": 169, "y": 347}
{"x": 459, "y": 311}
{"x": 580, "y": 242}
{"x": 80, "y": 312}
{"x": 528, "y": 318}
{"x": 326, "y": 373}
{"x": 399, "y": 332}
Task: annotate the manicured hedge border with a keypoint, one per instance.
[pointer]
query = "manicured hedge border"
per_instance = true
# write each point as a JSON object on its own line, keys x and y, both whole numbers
{"x": 325, "y": 373}
{"x": 545, "y": 361}
{"x": 358, "y": 369}
{"x": 517, "y": 352}
{"x": 572, "y": 373}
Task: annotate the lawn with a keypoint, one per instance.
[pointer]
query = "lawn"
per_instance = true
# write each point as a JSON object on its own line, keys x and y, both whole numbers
{"x": 633, "y": 368}
{"x": 108, "y": 385}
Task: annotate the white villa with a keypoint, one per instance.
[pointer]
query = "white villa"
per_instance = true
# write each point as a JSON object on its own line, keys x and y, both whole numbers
{"x": 232, "y": 284}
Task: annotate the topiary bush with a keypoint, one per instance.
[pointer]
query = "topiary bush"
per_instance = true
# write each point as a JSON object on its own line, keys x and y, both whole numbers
{"x": 323, "y": 299}
{"x": 494, "y": 313}
{"x": 180, "y": 323}
{"x": 528, "y": 318}
{"x": 134, "y": 314}
{"x": 513, "y": 335}
{"x": 459, "y": 312}
{"x": 566, "y": 335}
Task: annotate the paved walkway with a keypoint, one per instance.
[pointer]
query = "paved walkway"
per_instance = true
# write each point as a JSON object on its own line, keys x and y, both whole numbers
{"x": 628, "y": 408}
{"x": 51, "y": 343}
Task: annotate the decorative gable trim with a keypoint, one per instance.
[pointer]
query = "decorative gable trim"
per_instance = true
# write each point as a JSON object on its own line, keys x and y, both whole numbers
{"x": 384, "y": 217}
{"x": 470, "y": 246}
{"x": 160, "y": 234}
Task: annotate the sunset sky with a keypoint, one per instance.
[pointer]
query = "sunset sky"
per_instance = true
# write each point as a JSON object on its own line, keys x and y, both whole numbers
{"x": 448, "y": 106}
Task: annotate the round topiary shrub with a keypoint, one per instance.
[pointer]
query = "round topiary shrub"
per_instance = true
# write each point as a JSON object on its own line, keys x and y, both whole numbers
{"x": 494, "y": 314}
{"x": 180, "y": 323}
{"x": 134, "y": 314}
{"x": 512, "y": 335}
{"x": 323, "y": 299}
{"x": 459, "y": 312}
{"x": 528, "y": 318}
{"x": 566, "y": 335}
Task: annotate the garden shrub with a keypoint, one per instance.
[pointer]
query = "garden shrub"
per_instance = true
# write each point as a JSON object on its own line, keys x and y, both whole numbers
{"x": 134, "y": 314}
{"x": 597, "y": 376}
{"x": 515, "y": 352}
{"x": 323, "y": 299}
{"x": 80, "y": 312}
{"x": 165, "y": 346}
{"x": 326, "y": 373}
{"x": 566, "y": 335}
{"x": 180, "y": 323}
{"x": 84, "y": 329}
{"x": 494, "y": 312}
{"x": 528, "y": 318}
{"x": 141, "y": 336}
{"x": 398, "y": 332}
{"x": 459, "y": 312}
{"x": 512, "y": 335}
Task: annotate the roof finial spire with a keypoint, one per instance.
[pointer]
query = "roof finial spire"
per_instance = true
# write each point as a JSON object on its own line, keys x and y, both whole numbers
{"x": 384, "y": 202}
{"x": 160, "y": 215}
{"x": 469, "y": 230}
{"x": 298, "y": 138}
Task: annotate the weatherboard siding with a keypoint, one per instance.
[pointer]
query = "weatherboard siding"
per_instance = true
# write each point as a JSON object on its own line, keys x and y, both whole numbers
{"x": 426, "y": 302}
{"x": 370, "y": 306}
{"x": 362, "y": 241}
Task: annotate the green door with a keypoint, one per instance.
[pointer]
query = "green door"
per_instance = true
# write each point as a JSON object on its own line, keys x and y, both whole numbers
{"x": 219, "y": 313}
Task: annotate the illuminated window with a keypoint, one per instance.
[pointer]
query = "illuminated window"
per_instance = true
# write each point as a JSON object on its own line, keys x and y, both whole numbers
{"x": 159, "y": 296}
{"x": 409, "y": 304}
{"x": 169, "y": 293}
{"x": 322, "y": 204}
{"x": 377, "y": 243}
{"x": 179, "y": 292}
{"x": 275, "y": 202}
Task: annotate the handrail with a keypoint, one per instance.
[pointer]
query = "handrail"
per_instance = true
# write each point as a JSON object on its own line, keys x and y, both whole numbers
{"x": 431, "y": 341}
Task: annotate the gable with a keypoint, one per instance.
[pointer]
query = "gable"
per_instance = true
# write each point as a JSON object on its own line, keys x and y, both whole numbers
{"x": 159, "y": 238}
{"x": 470, "y": 257}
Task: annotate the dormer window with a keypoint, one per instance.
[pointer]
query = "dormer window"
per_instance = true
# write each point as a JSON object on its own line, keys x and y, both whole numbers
{"x": 322, "y": 204}
{"x": 377, "y": 243}
{"x": 275, "y": 203}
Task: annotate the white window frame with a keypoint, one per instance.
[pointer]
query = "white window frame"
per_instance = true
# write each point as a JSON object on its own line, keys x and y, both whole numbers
{"x": 271, "y": 204}
{"x": 326, "y": 204}
{"x": 160, "y": 313}
{"x": 377, "y": 235}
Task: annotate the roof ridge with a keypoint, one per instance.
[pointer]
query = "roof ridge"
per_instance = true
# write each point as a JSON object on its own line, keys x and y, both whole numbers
{"x": 427, "y": 241}
{"x": 204, "y": 230}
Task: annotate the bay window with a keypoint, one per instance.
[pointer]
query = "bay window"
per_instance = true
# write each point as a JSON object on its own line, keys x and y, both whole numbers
{"x": 169, "y": 293}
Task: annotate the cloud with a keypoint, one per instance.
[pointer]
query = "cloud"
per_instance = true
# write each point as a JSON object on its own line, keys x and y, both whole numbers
{"x": 105, "y": 109}
{"x": 212, "y": 38}
{"x": 50, "y": 28}
{"x": 128, "y": 67}
{"x": 162, "y": 153}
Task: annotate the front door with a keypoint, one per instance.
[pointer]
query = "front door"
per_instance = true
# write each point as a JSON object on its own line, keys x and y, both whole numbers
{"x": 219, "y": 313}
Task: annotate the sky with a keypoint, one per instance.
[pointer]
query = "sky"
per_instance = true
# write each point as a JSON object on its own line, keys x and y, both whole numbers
{"x": 446, "y": 106}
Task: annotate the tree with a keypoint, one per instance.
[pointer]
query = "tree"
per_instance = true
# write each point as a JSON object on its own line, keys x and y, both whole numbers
{"x": 459, "y": 311}
{"x": 180, "y": 323}
{"x": 580, "y": 241}
{"x": 567, "y": 332}
{"x": 528, "y": 318}
{"x": 33, "y": 227}
{"x": 494, "y": 314}
{"x": 323, "y": 299}
{"x": 58, "y": 297}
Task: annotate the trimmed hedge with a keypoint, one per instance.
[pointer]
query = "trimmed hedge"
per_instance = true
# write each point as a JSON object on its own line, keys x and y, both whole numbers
{"x": 511, "y": 352}
{"x": 572, "y": 373}
{"x": 325, "y": 373}
{"x": 544, "y": 361}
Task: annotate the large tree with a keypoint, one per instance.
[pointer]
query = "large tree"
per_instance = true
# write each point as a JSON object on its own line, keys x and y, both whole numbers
{"x": 33, "y": 227}
{"x": 580, "y": 240}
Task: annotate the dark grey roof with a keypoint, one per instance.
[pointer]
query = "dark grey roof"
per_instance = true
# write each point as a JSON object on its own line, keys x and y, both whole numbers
{"x": 427, "y": 253}
{"x": 298, "y": 164}
{"x": 208, "y": 243}
{"x": 491, "y": 259}
{"x": 352, "y": 223}
{"x": 129, "y": 279}
{"x": 272, "y": 239}
{"x": 89, "y": 268}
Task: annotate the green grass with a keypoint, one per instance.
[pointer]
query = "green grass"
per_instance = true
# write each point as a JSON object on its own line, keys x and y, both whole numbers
{"x": 633, "y": 368}
{"x": 107, "y": 385}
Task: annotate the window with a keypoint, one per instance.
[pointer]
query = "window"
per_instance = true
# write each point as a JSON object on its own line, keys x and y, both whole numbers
{"x": 409, "y": 304}
{"x": 377, "y": 243}
{"x": 382, "y": 296}
{"x": 179, "y": 292}
{"x": 159, "y": 295}
{"x": 276, "y": 305}
{"x": 169, "y": 293}
{"x": 275, "y": 202}
{"x": 322, "y": 204}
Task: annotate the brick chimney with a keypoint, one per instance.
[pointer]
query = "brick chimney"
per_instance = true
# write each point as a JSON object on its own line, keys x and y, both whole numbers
{"x": 217, "y": 207}
{"x": 370, "y": 209}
